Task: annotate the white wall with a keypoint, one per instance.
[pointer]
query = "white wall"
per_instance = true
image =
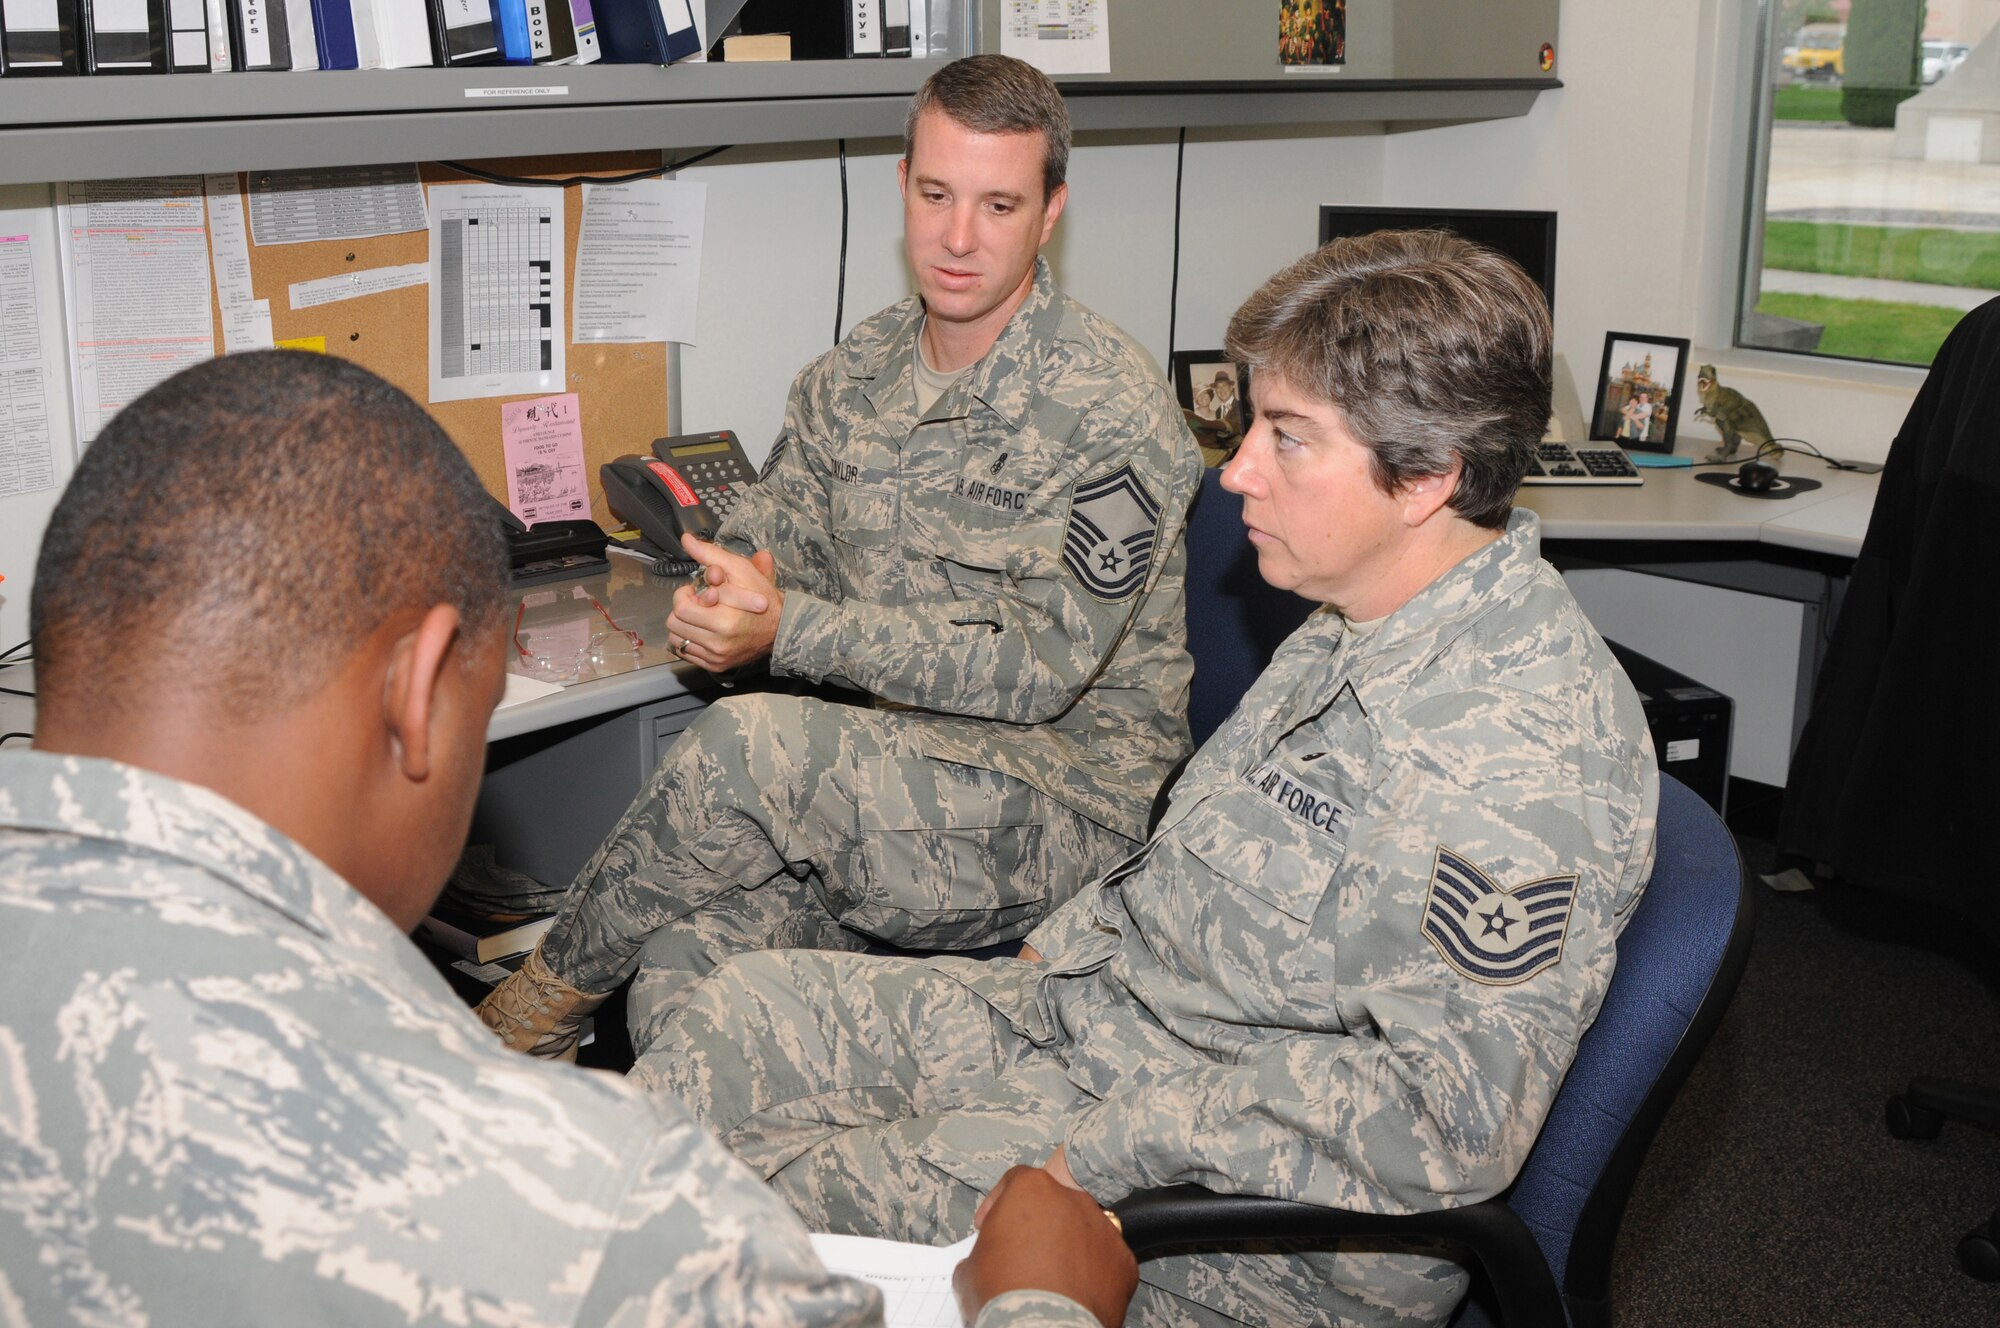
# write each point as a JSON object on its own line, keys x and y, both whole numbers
{"x": 773, "y": 228}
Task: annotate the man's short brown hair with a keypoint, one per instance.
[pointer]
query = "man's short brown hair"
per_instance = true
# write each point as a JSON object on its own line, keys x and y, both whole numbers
{"x": 1431, "y": 346}
{"x": 997, "y": 94}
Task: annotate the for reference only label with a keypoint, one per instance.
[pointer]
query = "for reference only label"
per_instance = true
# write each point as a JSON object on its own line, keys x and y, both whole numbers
{"x": 556, "y": 90}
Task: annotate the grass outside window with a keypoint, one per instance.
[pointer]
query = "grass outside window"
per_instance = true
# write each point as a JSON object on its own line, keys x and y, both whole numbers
{"x": 1902, "y": 253}
{"x": 1869, "y": 329}
{"x": 1800, "y": 101}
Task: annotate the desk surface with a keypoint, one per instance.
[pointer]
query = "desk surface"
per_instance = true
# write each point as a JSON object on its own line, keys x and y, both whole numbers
{"x": 565, "y": 616}
{"x": 562, "y": 619}
{"x": 1674, "y": 505}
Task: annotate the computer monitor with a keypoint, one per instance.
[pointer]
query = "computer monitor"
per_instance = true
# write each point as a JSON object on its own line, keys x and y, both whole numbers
{"x": 1529, "y": 238}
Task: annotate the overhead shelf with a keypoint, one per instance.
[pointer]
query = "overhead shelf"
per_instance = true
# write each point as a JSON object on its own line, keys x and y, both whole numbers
{"x": 69, "y": 128}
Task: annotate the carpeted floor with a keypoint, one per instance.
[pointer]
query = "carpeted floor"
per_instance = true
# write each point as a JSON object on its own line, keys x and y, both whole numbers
{"x": 1774, "y": 1196}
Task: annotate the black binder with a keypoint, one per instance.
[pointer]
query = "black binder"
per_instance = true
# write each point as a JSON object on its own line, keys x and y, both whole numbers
{"x": 463, "y": 32}
{"x": 123, "y": 36}
{"x": 896, "y": 28}
{"x": 187, "y": 36}
{"x": 39, "y": 50}
{"x": 260, "y": 37}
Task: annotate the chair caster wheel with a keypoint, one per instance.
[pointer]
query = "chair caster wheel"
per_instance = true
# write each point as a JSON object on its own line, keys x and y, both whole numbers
{"x": 1907, "y": 1120}
{"x": 1979, "y": 1255}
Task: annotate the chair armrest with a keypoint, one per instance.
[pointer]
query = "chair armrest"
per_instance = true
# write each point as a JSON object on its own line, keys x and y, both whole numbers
{"x": 1188, "y": 1215}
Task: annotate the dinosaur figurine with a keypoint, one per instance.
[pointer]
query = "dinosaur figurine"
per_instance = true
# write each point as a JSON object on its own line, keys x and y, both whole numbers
{"x": 1735, "y": 416}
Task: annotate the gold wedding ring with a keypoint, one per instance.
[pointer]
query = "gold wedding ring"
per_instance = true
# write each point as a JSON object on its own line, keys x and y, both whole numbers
{"x": 1113, "y": 1218}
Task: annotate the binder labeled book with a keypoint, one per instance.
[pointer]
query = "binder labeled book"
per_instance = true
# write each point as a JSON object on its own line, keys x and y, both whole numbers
{"x": 259, "y": 34}
{"x": 646, "y": 32}
{"x": 551, "y": 32}
{"x": 465, "y": 32}
{"x": 864, "y": 28}
{"x": 39, "y": 37}
{"x": 124, "y": 36}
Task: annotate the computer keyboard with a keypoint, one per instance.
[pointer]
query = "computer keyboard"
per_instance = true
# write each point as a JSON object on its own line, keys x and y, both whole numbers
{"x": 1562, "y": 463}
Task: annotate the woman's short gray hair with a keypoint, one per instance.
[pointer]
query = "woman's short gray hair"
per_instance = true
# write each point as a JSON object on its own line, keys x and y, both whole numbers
{"x": 1434, "y": 348}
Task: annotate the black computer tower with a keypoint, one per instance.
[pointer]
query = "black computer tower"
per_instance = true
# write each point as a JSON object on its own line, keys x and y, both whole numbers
{"x": 1689, "y": 722}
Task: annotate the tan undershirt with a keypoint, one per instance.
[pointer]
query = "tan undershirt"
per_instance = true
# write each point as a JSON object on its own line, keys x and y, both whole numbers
{"x": 928, "y": 382}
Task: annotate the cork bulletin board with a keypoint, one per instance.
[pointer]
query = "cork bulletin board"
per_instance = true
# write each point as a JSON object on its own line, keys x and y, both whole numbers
{"x": 621, "y": 388}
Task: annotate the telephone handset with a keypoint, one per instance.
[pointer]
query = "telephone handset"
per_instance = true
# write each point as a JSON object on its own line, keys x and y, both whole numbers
{"x": 689, "y": 484}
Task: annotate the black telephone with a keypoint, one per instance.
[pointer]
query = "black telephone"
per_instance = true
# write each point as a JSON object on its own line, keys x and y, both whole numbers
{"x": 687, "y": 485}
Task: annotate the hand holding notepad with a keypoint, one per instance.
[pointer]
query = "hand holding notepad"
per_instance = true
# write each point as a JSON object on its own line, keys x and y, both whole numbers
{"x": 1035, "y": 1233}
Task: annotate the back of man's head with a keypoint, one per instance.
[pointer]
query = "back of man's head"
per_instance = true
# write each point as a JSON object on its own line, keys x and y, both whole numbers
{"x": 997, "y": 94}
{"x": 237, "y": 532}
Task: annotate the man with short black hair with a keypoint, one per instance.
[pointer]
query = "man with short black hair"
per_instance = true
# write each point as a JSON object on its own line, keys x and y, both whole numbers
{"x": 972, "y": 517}
{"x": 268, "y": 638}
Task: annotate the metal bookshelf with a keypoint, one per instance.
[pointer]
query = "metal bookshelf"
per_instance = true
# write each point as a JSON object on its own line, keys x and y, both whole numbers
{"x": 56, "y": 129}
{"x": 1412, "y": 63}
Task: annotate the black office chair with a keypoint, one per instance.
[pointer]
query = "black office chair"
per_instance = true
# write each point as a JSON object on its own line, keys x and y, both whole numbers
{"x": 1891, "y": 785}
{"x": 1544, "y": 1247}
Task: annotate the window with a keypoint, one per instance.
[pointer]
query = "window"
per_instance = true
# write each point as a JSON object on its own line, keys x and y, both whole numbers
{"x": 1875, "y": 200}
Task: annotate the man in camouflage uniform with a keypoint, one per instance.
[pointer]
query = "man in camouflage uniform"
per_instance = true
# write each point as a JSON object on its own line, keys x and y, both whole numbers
{"x": 972, "y": 516}
{"x": 1352, "y": 963}
{"x": 231, "y": 1091}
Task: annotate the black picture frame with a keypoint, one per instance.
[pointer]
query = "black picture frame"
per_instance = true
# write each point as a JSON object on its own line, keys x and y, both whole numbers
{"x": 1196, "y": 374}
{"x": 1628, "y": 409}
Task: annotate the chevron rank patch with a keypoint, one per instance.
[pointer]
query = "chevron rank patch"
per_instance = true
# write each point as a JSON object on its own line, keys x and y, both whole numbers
{"x": 1113, "y": 523}
{"x": 1495, "y": 934}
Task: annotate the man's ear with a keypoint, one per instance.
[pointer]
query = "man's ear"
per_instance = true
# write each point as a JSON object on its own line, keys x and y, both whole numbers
{"x": 1426, "y": 495}
{"x": 410, "y": 691}
{"x": 1053, "y": 211}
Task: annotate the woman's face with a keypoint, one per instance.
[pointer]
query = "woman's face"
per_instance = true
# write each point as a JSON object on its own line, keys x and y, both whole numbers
{"x": 1321, "y": 525}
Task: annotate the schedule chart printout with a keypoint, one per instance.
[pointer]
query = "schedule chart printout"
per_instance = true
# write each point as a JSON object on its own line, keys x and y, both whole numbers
{"x": 496, "y": 309}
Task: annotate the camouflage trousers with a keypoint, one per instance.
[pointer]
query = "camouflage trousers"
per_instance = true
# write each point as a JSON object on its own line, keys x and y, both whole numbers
{"x": 882, "y": 1097}
{"x": 780, "y": 820}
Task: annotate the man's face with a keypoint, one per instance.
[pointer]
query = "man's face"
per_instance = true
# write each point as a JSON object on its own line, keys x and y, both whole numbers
{"x": 1320, "y": 524}
{"x": 974, "y": 217}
